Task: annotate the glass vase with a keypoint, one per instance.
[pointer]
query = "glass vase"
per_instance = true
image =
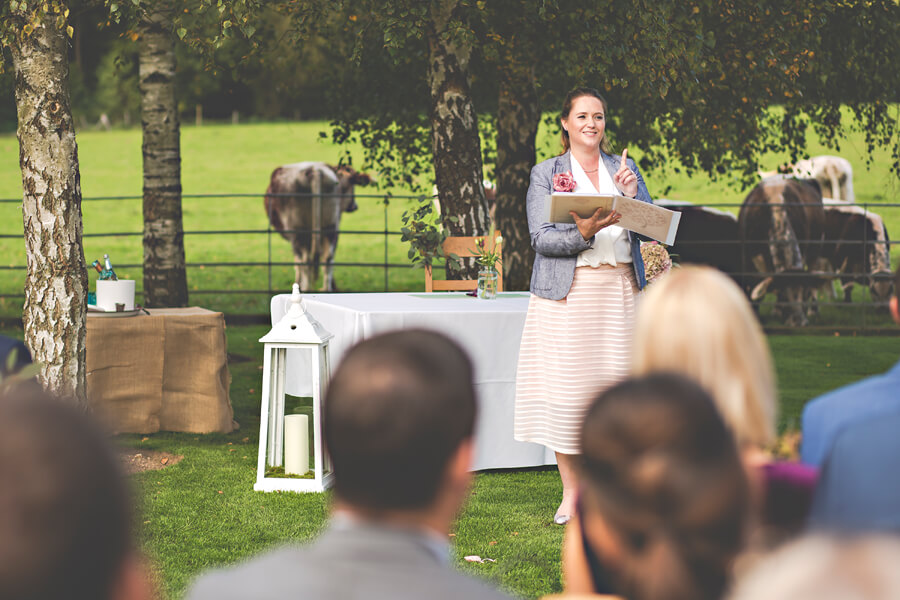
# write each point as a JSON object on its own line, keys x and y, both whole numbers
{"x": 487, "y": 284}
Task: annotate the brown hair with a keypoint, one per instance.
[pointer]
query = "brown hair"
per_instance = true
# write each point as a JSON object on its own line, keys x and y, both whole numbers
{"x": 398, "y": 407}
{"x": 571, "y": 97}
{"x": 663, "y": 472}
{"x": 65, "y": 511}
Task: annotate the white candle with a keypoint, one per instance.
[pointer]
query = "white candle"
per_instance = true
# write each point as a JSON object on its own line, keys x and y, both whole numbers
{"x": 296, "y": 444}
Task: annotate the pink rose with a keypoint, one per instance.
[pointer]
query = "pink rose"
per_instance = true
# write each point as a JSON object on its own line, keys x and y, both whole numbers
{"x": 564, "y": 182}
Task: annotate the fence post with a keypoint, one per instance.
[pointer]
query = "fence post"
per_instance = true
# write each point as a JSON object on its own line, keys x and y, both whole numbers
{"x": 316, "y": 237}
{"x": 386, "y": 202}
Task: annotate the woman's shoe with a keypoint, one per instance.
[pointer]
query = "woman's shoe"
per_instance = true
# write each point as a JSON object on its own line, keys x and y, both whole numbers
{"x": 561, "y": 519}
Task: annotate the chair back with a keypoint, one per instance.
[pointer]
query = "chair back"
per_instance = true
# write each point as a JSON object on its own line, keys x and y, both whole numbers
{"x": 463, "y": 247}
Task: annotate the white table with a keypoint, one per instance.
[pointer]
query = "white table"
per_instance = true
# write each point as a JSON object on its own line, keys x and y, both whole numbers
{"x": 489, "y": 330}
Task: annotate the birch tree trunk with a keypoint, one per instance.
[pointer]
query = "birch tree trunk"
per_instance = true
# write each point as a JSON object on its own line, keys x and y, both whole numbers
{"x": 518, "y": 116}
{"x": 56, "y": 283}
{"x": 165, "y": 278}
{"x": 456, "y": 146}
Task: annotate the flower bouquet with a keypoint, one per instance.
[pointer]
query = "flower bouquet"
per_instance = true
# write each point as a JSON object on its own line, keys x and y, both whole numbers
{"x": 657, "y": 261}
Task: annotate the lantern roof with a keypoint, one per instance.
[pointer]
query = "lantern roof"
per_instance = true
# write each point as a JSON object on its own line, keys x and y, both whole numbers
{"x": 297, "y": 326}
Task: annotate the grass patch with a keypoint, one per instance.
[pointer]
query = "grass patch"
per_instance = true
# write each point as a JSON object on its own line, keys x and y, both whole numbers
{"x": 203, "y": 513}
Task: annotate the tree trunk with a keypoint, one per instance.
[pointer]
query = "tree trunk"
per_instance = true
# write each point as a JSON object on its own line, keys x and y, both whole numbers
{"x": 56, "y": 284}
{"x": 456, "y": 146}
{"x": 518, "y": 116}
{"x": 165, "y": 279}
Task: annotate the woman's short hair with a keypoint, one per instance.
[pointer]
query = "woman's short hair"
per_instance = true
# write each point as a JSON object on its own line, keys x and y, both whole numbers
{"x": 696, "y": 321}
{"x": 571, "y": 97}
{"x": 663, "y": 472}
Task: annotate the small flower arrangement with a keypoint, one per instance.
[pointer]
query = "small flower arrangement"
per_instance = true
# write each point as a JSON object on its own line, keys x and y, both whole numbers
{"x": 488, "y": 259}
{"x": 564, "y": 182}
{"x": 425, "y": 231}
{"x": 657, "y": 261}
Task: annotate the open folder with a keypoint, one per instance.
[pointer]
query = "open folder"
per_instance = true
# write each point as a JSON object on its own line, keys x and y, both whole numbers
{"x": 644, "y": 218}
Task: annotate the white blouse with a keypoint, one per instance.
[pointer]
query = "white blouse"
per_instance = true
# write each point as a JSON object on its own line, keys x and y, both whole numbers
{"x": 612, "y": 244}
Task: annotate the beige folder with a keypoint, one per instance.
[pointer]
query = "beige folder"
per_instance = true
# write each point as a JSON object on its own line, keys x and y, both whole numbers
{"x": 644, "y": 218}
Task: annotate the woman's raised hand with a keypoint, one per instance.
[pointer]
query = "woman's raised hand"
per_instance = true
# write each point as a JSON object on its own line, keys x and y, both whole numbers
{"x": 625, "y": 179}
{"x": 597, "y": 221}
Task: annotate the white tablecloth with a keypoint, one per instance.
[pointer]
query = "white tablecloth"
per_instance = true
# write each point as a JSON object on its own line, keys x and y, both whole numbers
{"x": 489, "y": 330}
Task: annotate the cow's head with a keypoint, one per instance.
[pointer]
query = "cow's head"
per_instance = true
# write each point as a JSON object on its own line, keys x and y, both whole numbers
{"x": 349, "y": 177}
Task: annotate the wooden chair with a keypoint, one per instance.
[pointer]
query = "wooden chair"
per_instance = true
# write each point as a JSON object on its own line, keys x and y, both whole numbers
{"x": 463, "y": 247}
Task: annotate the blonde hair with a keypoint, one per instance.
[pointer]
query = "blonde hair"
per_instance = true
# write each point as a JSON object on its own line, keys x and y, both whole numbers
{"x": 697, "y": 322}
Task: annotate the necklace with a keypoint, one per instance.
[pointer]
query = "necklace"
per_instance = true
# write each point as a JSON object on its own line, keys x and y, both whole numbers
{"x": 594, "y": 171}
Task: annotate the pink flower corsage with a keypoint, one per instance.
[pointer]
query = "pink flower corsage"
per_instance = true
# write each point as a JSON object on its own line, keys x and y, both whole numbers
{"x": 564, "y": 182}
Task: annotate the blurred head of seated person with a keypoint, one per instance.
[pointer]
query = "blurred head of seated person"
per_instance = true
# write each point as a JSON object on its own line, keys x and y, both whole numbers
{"x": 825, "y": 416}
{"x": 398, "y": 421}
{"x": 826, "y": 568}
{"x": 696, "y": 321}
{"x": 663, "y": 501}
{"x": 65, "y": 517}
{"x": 14, "y": 355}
{"x": 859, "y": 486}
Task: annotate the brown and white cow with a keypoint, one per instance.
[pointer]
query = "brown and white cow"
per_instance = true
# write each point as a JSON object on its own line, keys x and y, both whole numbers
{"x": 290, "y": 203}
{"x": 857, "y": 247}
{"x": 834, "y": 174}
{"x": 781, "y": 225}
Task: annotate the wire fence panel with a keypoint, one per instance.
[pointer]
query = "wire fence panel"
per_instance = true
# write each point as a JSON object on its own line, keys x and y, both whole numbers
{"x": 238, "y": 256}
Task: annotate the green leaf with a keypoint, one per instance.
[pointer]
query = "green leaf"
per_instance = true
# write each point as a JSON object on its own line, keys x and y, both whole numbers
{"x": 181, "y": 32}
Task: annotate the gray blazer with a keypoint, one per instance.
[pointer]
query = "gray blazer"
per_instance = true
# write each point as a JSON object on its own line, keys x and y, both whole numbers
{"x": 557, "y": 244}
{"x": 368, "y": 562}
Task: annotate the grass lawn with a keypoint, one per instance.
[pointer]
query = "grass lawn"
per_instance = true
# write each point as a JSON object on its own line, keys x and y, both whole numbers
{"x": 202, "y": 512}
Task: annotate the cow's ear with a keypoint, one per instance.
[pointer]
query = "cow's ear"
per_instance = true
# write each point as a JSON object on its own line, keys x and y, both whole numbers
{"x": 360, "y": 179}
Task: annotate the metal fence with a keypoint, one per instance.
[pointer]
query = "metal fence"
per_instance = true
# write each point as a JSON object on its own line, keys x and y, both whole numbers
{"x": 388, "y": 236}
{"x": 869, "y": 315}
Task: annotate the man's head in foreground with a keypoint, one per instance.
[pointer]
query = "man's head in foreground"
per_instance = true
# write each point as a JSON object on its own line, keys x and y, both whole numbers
{"x": 399, "y": 417}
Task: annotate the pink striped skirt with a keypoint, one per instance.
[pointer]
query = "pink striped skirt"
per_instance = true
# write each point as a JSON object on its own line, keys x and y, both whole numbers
{"x": 573, "y": 349}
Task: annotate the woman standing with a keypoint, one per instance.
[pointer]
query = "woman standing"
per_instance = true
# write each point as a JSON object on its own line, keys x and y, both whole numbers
{"x": 577, "y": 335}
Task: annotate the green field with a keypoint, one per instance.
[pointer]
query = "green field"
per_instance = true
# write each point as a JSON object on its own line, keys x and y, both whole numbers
{"x": 202, "y": 512}
{"x": 229, "y": 166}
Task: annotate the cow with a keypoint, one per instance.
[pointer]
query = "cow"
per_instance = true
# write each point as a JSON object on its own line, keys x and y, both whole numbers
{"x": 834, "y": 174}
{"x": 706, "y": 236}
{"x": 781, "y": 226}
{"x": 857, "y": 248}
{"x": 289, "y": 203}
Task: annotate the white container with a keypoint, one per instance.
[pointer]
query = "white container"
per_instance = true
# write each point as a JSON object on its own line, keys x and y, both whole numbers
{"x": 110, "y": 293}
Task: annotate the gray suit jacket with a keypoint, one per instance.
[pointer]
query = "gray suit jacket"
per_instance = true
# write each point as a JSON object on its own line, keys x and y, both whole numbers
{"x": 360, "y": 561}
{"x": 558, "y": 244}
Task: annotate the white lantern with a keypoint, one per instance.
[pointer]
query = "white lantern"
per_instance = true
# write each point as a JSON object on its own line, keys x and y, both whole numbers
{"x": 299, "y": 333}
